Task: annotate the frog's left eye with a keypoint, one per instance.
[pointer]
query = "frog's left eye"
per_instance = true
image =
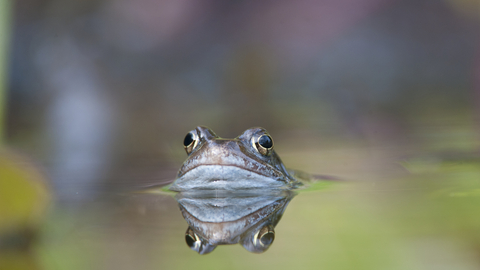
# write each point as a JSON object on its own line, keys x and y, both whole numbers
{"x": 190, "y": 142}
{"x": 264, "y": 144}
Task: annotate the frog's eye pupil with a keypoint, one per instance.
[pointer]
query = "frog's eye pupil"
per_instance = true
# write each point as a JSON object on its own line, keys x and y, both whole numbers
{"x": 188, "y": 139}
{"x": 265, "y": 141}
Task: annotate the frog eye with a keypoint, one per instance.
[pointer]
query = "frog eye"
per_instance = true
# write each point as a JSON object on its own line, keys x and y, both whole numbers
{"x": 264, "y": 237}
{"x": 192, "y": 239}
{"x": 264, "y": 144}
{"x": 194, "y": 242}
{"x": 190, "y": 142}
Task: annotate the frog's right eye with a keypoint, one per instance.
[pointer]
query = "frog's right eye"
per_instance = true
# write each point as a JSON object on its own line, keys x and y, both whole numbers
{"x": 190, "y": 142}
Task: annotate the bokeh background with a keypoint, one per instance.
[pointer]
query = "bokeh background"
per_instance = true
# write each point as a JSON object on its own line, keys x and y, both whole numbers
{"x": 99, "y": 94}
{"x": 95, "y": 84}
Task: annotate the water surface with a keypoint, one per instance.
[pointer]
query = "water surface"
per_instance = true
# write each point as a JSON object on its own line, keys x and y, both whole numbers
{"x": 413, "y": 213}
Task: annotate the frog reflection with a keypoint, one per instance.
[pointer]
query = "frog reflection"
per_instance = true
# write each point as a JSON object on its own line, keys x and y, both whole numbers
{"x": 246, "y": 162}
{"x": 228, "y": 218}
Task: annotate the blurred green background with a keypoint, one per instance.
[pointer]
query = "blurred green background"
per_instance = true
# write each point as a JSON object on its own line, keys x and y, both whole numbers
{"x": 96, "y": 97}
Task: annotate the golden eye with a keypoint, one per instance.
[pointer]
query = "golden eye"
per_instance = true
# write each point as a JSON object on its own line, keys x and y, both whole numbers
{"x": 264, "y": 145}
{"x": 192, "y": 239}
{"x": 190, "y": 142}
{"x": 194, "y": 242}
{"x": 264, "y": 237}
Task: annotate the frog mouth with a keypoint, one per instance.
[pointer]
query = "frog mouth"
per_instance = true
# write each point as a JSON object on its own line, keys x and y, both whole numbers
{"x": 225, "y": 177}
{"x": 252, "y": 169}
{"x": 218, "y": 159}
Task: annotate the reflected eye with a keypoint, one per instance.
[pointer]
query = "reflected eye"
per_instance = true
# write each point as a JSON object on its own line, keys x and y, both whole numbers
{"x": 190, "y": 141}
{"x": 264, "y": 145}
{"x": 192, "y": 240}
{"x": 264, "y": 237}
{"x": 267, "y": 238}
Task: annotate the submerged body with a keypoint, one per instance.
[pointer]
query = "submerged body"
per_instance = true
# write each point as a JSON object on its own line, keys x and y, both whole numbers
{"x": 246, "y": 162}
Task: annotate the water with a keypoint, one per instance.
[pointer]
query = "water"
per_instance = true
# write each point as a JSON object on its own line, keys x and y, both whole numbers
{"x": 425, "y": 221}
{"x": 391, "y": 210}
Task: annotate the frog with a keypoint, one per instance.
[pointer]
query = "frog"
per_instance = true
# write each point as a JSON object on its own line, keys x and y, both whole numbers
{"x": 247, "y": 162}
